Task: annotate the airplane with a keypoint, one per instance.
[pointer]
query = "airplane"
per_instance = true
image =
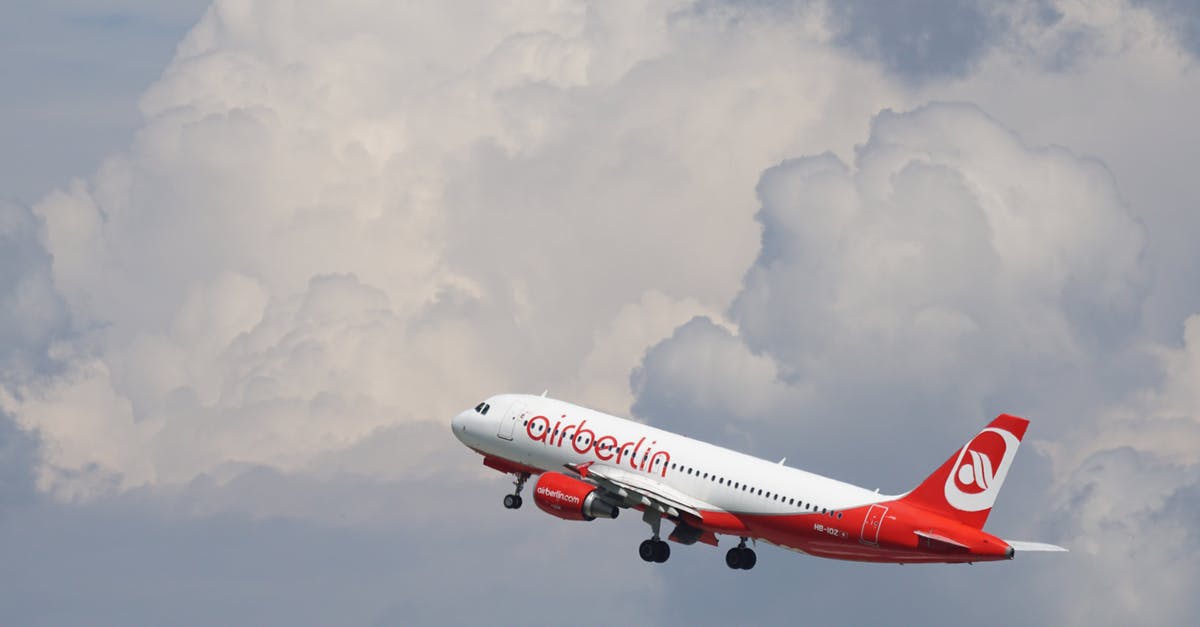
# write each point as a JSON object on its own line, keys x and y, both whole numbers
{"x": 592, "y": 465}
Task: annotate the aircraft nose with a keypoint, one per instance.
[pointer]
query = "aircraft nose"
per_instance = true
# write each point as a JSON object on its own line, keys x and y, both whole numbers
{"x": 459, "y": 423}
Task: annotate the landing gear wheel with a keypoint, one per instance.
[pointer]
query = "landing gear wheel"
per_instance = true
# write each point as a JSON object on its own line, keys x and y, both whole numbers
{"x": 749, "y": 559}
{"x": 513, "y": 501}
{"x": 741, "y": 557}
{"x": 662, "y": 551}
{"x": 733, "y": 558}
{"x": 646, "y": 550}
{"x": 654, "y": 551}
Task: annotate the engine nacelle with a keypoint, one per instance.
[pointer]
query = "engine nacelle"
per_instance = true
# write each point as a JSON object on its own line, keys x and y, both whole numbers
{"x": 571, "y": 499}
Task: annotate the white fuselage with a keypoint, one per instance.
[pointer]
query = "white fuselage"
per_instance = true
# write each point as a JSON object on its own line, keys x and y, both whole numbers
{"x": 548, "y": 434}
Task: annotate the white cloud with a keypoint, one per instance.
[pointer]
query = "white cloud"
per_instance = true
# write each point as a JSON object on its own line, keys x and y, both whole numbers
{"x": 950, "y": 264}
{"x": 335, "y": 229}
{"x": 332, "y": 225}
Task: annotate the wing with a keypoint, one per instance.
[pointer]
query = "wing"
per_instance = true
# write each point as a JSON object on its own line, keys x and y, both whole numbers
{"x": 638, "y": 489}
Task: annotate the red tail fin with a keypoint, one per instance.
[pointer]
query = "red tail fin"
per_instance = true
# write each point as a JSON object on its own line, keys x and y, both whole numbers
{"x": 965, "y": 487}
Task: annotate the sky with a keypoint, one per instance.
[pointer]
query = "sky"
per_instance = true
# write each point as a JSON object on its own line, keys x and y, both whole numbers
{"x": 255, "y": 254}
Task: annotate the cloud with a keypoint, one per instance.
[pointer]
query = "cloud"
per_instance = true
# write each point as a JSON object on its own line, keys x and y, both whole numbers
{"x": 951, "y": 268}
{"x": 314, "y": 228}
{"x": 333, "y": 231}
{"x": 18, "y": 458}
{"x": 195, "y": 557}
{"x": 32, "y": 313}
{"x": 922, "y": 38}
{"x": 1181, "y": 17}
{"x": 950, "y": 272}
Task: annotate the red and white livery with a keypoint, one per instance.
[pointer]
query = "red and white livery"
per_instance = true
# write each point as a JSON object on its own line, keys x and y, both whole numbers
{"x": 592, "y": 465}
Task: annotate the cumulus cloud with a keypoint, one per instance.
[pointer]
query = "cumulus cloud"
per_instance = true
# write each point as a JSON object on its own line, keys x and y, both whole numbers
{"x": 950, "y": 267}
{"x": 32, "y": 313}
{"x": 951, "y": 272}
{"x": 334, "y": 230}
{"x": 324, "y": 219}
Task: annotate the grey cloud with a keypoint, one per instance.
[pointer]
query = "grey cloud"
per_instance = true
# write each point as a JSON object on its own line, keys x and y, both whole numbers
{"x": 1180, "y": 16}
{"x": 32, "y": 313}
{"x": 942, "y": 279}
{"x": 1031, "y": 267}
{"x": 917, "y": 40}
{"x": 18, "y": 466}
{"x": 714, "y": 388}
{"x": 920, "y": 39}
{"x": 1132, "y": 513}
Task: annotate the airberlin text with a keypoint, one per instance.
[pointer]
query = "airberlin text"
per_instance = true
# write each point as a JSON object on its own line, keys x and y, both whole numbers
{"x": 558, "y": 495}
{"x": 604, "y": 447}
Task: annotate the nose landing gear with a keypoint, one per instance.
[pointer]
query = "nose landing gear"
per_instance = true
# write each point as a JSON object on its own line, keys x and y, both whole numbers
{"x": 513, "y": 501}
{"x": 741, "y": 557}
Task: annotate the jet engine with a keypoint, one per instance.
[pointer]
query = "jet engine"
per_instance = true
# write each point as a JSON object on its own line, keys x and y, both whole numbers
{"x": 571, "y": 499}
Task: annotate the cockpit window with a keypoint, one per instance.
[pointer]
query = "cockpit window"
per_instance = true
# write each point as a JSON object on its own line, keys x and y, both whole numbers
{"x": 482, "y": 408}
{"x": 479, "y": 408}
{"x": 486, "y": 407}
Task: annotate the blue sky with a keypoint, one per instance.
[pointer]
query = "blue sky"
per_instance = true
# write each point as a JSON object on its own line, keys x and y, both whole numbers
{"x": 253, "y": 256}
{"x": 74, "y": 72}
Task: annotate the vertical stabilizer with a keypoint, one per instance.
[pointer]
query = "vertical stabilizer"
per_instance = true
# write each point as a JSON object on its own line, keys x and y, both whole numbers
{"x": 965, "y": 487}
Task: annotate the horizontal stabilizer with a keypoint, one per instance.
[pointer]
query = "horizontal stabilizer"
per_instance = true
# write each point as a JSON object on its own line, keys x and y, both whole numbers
{"x": 1021, "y": 546}
{"x": 933, "y": 537}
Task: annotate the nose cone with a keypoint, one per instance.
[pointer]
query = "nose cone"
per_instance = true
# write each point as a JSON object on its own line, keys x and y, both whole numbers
{"x": 459, "y": 424}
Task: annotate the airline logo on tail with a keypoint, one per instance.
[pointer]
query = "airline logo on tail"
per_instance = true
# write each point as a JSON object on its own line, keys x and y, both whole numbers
{"x": 980, "y": 470}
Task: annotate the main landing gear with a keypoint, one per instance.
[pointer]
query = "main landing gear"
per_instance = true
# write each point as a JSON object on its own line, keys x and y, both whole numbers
{"x": 654, "y": 549}
{"x": 513, "y": 501}
{"x": 741, "y": 557}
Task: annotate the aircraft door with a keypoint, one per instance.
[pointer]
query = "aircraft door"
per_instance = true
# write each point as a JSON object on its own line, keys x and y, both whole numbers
{"x": 872, "y": 523}
{"x": 508, "y": 424}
